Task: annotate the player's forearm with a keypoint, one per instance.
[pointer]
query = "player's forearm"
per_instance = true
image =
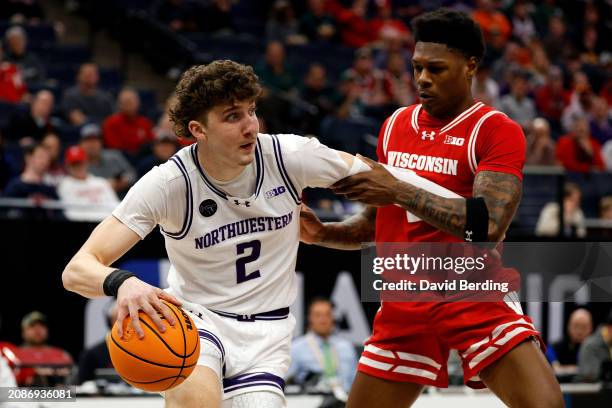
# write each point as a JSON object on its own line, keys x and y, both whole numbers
{"x": 446, "y": 214}
{"x": 500, "y": 191}
{"x": 85, "y": 275}
{"x": 350, "y": 233}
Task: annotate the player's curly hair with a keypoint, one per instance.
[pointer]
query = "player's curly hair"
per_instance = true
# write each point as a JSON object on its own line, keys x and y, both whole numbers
{"x": 203, "y": 87}
{"x": 452, "y": 28}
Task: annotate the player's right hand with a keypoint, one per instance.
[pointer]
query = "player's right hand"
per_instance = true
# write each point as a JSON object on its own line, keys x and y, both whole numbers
{"x": 311, "y": 227}
{"x": 135, "y": 295}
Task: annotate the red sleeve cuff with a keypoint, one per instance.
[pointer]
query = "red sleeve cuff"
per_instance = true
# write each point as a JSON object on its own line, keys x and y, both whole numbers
{"x": 501, "y": 169}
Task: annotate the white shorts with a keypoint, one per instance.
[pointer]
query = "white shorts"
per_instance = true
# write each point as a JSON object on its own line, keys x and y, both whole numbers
{"x": 252, "y": 355}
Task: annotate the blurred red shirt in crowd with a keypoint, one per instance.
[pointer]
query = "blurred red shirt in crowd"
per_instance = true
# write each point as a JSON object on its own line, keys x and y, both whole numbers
{"x": 12, "y": 86}
{"x": 126, "y": 130}
{"x": 579, "y": 151}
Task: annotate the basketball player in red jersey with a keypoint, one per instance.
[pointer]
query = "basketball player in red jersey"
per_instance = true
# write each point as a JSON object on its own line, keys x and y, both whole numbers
{"x": 478, "y": 153}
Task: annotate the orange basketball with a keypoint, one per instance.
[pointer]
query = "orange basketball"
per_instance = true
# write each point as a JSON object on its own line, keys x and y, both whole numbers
{"x": 159, "y": 361}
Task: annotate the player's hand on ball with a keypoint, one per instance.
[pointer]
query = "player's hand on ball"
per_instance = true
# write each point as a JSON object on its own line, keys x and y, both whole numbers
{"x": 135, "y": 295}
{"x": 311, "y": 227}
{"x": 376, "y": 187}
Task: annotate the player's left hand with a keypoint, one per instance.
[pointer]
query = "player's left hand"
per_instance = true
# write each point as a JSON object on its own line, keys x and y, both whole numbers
{"x": 377, "y": 187}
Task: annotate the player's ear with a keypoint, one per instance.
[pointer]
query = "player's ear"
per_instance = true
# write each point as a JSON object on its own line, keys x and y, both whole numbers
{"x": 197, "y": 129}
{"x": 472, "y": 66}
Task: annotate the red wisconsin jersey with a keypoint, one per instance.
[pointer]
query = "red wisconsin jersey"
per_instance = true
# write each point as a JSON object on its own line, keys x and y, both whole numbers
{"x": 447, "y": 152}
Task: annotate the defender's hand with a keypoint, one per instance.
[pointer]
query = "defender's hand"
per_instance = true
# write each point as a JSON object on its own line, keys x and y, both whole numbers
{"x": 135, "y": 295}
{"x": 377, "y": 187}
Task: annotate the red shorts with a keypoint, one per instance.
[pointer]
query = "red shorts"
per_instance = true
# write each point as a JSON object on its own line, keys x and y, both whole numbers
{"x": 411, "y": 341}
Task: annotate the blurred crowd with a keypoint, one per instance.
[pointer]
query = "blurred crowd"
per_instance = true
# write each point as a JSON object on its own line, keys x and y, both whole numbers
{"x": 548, "y": 66}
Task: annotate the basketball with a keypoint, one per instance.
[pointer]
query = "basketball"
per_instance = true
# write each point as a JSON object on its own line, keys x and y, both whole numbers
{"x": 159, "y": 361}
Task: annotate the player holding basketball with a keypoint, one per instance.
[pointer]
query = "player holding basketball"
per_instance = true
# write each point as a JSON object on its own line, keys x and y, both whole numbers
{"x": 481, "y": 154}
{"x": 228, "y": 207}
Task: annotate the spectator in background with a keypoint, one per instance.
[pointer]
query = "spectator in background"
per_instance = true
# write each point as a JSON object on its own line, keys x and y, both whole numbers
{"x": 507, "y": 64}
{"x": 370, "y": 83}
{"x": 552, "y": 98}
{"x": 316, "y": 24}
{"x": 13, "y": 88}
{"x": 563, "y": 355}
{"x": 86, "y": 197}
{"x": 106, "y": 163}
{"x": 523, "y": 26}
{"x": 491, "y": 20}
{"x": 384, "y": 25}
{"x": 274, "y": 72}
{"x": 31, "y": 126}
{"x": 178, "y": 15}
{"x": 280, "y": 87}
{"x": 322, "y": 353}
{"x": 163, "y": 148}
{"x": 97, "y": 356}
{"x": 127, "y": 130}
{"x": 34, "y": 330}
{"x": 485, "y": 88}
{"x": 393, "y": 43}
{"x": 31, "y": 184}
{"x": 319, "y": 94}
{"x": 216, "y": 18}
{"x": 540, "y": 65}
{"x": 398, "y": 82}
{"x": 581, "y": 101}
{"x": 355, "y": 30}
{"x": 578, "y": 151}
{"x": 605, "y": 208}
{"x": 601, "y": 121}
{"x": 350, "y": 93}
{"x": 517, "y": 104}
{"x": 84, "y": 102}
{"x": 589, "y": 48}
{"x": 556, "y": 43}
{"x": 56, "y": 172}
{"x": 573, "y": 217}
{"x": 17, "y": 52}
{"x": 595, "y": 350}
{"x": 540, "y": 145}
{"x": 35, "y": 335}
{"x": 282, "y": 25}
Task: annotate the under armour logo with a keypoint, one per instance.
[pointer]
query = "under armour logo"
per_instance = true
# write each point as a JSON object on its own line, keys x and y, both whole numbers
{"x": 246, "y": 203}
{"x": 428, "y": 135}
{"x": 468, "y": 236}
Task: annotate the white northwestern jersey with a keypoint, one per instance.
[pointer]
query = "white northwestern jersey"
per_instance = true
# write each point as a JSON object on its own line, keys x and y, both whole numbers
{"x": 233, "y": 254}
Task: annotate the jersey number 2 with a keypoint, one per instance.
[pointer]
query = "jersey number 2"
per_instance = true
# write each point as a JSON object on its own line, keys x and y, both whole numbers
{"x": 241, "y": 274}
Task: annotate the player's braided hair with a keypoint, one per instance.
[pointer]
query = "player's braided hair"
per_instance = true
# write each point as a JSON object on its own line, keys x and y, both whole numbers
{"x": 452, "y": 28}
{"x": 202, "y": 87}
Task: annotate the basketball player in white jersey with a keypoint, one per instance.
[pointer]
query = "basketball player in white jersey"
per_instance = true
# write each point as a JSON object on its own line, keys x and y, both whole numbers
{"x": 228, "y": 207}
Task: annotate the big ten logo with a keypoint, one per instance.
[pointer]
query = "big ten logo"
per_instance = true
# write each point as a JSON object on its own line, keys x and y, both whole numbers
{"x": 275, "y": 191}
{"x": 452, "y": 140}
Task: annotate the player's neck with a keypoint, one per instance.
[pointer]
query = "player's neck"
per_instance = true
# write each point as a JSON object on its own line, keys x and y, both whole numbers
{"x": 216, "y": 167}
{"x": 456, "y": 111}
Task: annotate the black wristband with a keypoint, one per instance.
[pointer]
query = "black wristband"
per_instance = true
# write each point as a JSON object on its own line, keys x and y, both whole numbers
{"x": 476, "y": 220}
{"x": 114, "y": 280}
